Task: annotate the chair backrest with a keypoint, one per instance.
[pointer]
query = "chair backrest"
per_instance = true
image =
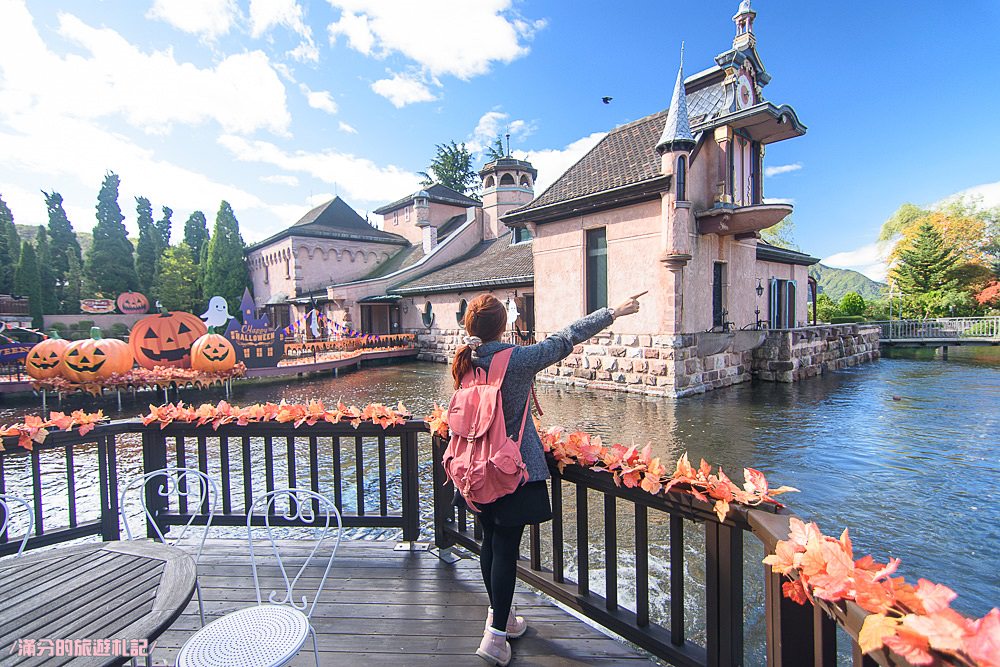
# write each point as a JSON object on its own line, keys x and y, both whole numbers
{"x": 197, "y": 488}
{"x": 5, "y": 505}
{"x": 306, "y": 509}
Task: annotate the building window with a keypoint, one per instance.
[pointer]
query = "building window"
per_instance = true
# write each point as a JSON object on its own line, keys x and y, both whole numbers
{"x": 395, "y": 217}
{"x": 427, "y": 316}
{"x": 521, "y": 235}
{"x": 680, "y": 174}
{"x": 288, "y": 267}
{"x": 525, "y": 181}
{"x": 507, "y": 179}
{"x": 266, "y": 275}
{"x": 406, "y": 214}
{"x": 719, "y": 279}
{"x": 597, "y": 269}
{"x": 781, "y": 306}
{"x": 463, "y": 305}
{"x": 490, "y": 182}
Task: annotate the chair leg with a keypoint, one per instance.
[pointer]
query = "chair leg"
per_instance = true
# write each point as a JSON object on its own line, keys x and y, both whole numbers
{"x": 315, "y": 644}
{"x": 201, "y": 605}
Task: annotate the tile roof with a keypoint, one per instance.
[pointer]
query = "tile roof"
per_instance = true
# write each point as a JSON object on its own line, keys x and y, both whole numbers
{"x": 404, "y": 258}
{"x": 492, "y": 263}
{"x": 334, "y": 220}
{"x": 436, "y": 193}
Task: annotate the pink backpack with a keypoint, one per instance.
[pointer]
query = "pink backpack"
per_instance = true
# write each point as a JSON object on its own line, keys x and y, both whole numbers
{"x": 481, "y": 460}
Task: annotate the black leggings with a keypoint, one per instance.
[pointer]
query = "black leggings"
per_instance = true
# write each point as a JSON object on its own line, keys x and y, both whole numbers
{"x": 498, "y": 560}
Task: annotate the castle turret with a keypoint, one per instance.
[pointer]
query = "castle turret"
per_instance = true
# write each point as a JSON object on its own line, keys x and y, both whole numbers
{"x": 422, "y": 208}
{"x": 743, "y": 19}
{"x": 508, "y": 183}
{"x": 675, "y": 144}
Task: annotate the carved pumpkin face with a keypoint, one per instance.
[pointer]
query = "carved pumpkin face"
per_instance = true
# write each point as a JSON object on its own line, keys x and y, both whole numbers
{"x": 132, "y": 303}
{"x": 44, "y": 358}
{"x": 212, "y": 352}
{"x": 95, "y": 358}
{"x": 166, "y": 339}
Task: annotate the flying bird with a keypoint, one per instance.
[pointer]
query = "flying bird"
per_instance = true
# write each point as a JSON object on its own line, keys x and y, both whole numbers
{"x": 606, "y": 99}
{"x": 218, "y": 312}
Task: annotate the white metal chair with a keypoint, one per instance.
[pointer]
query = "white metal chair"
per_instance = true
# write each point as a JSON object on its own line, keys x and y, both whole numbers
{"x": 189, "y": 483}
{"x": 5, "y": 503}
{"x": 271, "y": 633}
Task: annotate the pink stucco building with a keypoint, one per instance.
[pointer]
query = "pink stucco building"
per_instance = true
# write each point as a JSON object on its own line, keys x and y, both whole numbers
{"x": 672, "y": 203}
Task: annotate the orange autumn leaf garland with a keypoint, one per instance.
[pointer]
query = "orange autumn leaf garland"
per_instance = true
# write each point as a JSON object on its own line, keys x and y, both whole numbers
{"x": 913, "y": 621}
{"x": 35, "y": 429}
{"x": 296, "y": 413}
{"x": 634, "y": 467}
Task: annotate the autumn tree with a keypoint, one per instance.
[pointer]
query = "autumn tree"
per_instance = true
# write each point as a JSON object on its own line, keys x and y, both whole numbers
{"x": 46, "y": 276}
{"x": 452, "y": 167}
{"x": 110, "y": 268}
{"x": 147, "y": 250}
{"x": 10, "y": 248}
{"x": 63, "y": 244}
{"x": 225, "y": 270}
{"x": 26, "y": 282}
{"x": 176, "y": 284}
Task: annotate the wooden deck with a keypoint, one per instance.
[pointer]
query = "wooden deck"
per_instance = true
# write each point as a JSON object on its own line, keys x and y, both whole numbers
{"x": 386, "y": 607}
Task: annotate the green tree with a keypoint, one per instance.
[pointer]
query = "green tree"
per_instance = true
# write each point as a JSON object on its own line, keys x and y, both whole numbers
{"x": 46, "y": 275}
{"x": 826, "y": 309}
{"x": 63, "y": 244}
{"x": 196, "y": 234}
{"x": 110, "y": 268}
{"x": 26, "y": 282}
{"x": 176, "y": 285}
{"x": 926, "y": 263}
{"x": 163, "y": 230}
{"x": 852, "y": 303}
{"x": 147, "y": 250}
{"x": 495, "y": 151}
{"x": 781, "y": 235}
{"x": 452, "y": 166}
{"x": 225, "y": 270}
{"x": 73, "y": 288}
{"x": 10, "y": 248}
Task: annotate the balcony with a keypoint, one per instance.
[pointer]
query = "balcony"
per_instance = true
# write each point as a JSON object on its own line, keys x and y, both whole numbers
{"x": 730, "y": 220}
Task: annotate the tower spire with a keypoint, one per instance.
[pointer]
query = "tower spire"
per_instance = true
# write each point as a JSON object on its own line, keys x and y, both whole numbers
{"x": 677, "y": 132}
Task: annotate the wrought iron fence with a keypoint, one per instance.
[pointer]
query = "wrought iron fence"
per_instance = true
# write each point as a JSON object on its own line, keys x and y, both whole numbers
{"x": 944, "y": 328}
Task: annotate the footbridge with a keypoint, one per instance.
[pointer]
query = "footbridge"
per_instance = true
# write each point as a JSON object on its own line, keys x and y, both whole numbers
{"x": 941, "y": 332}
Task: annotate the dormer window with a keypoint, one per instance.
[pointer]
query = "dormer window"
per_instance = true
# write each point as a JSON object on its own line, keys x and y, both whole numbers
{"x": 521, "y": 235}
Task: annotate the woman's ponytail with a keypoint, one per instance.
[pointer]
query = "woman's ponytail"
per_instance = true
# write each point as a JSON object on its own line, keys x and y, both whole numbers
{"x": 461, "y": 364}
{"x": 485, "y": 319}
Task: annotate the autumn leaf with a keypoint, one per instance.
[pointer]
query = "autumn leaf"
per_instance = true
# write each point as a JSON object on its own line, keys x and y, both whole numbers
{"x": 875, "y": 630}
{"x": 910, "y": 645}
{"x": 982, "y": 644}
{"x": 784, "y": 559}
{"x": 944, "y": 630}
{"x": 934, "y": 597}
{"x": 795, "y": 591}
{"x": 721, "y": 508}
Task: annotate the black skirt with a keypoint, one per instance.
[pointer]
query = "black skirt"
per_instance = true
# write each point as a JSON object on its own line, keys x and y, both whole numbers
{"x": 529, "y": 504}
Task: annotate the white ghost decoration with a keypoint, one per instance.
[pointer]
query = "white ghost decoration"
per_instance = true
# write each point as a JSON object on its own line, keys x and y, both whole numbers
{"x": 512, "y": 312}
{"x": 314, "y": 324}
{"x": 217, "y": 314}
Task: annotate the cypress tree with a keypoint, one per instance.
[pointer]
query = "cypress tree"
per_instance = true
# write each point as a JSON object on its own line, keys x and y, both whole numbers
{"x": 176, "y": 285}
{"x": 147, "y": 250}
{"x": 63, "y": 243}
{"x": 927, "y": 263}
{"x": 46, "y": 276}
{"x": 225, "y": 271}
{"x": 73, "y": 289}
{"x": 109, "y": 267}
{"x": 196, "y": 234}
{"x": 163, "y": 231}
{"x": 10, "y": 248}
{"x": 26, "y": 282}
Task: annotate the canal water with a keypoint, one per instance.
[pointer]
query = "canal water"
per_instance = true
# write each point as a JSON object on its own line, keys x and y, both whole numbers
{"x": 905, "y": 452}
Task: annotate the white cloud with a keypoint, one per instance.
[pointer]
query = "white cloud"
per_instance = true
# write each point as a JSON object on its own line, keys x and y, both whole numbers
{"x": 356, "y": 177}
{"x": 552, "y": 163}
{"x": 150, "y": 91}
{"x": 208, "y": 18}
{"x": 986, "y": 195}
{"x": 493, "y": 124}
{"x": 268, "y": 14}
{"x": 454, "y": 37}
{"x": 319, "y": 99}
{"x": 782, "y": 169}
{"x": 344, "y": 127}
{"x": 403, "y": 89}
{"x": 870, "y": 259}
{"x": 281, "y": 179}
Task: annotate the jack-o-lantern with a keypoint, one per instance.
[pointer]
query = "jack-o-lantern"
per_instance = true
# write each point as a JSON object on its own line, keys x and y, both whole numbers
{"x": 43, "y": 359}
{"x": 212, "y": 353}
{"x": 132, "y": 303}
{"x": 95, "y": 358}
{"x": 166, "y": 339}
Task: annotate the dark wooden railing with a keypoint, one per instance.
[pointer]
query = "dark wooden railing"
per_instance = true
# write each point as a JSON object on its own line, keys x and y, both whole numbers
{"x": 373, "y": 477}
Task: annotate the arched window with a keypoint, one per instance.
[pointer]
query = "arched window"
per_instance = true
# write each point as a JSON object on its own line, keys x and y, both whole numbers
{"x": 428, "y": 315}
{"x": 507, "y": 179}
{"x": 525, "y": 181}
{"x": 490, "y": 182}
{"x": 463, "y": 305}
{"x": 680, "y": 174}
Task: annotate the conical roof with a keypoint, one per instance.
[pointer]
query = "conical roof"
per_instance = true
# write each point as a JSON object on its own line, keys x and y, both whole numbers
{"x": 677, "y": 131}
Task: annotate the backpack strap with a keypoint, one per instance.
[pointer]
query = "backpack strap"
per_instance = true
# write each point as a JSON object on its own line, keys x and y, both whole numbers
{"x": 498, "y": 366}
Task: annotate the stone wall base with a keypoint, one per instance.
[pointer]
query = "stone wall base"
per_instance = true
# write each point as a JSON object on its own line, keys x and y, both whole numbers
{"x": 677, "y": 366}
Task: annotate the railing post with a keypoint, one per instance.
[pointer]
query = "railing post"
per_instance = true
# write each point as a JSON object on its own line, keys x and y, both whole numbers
{"x": 724, "y": 594}
{"x": 444, "y": 493}
{"x": 411, "y": 489}
{"x": 154, "y": 457}
{"x": 109, "y": 501}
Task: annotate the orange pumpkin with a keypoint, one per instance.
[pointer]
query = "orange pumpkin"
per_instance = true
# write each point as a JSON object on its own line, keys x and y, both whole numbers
{"x": 166, "y": 339}
{"x": 44, "y": 358}
{"x": 132, "y": 303}
{"x": 212, "y": 353}
{"x": 95, "y": 358}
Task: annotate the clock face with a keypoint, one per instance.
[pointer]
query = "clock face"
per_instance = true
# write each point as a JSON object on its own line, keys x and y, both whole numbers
{"x": 744, "y": 91}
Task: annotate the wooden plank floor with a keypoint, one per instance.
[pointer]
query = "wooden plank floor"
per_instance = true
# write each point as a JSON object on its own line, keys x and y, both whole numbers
{"x": 386, "y": 607}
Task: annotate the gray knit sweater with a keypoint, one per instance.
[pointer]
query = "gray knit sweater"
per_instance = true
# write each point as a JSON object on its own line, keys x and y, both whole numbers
{"x": 524, "y": 363}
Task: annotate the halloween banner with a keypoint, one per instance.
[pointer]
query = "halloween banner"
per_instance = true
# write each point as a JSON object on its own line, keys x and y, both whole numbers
{"x": 314, "y": 322}
{"x": 257, "y": 344}
{"x": 97, "y": 306}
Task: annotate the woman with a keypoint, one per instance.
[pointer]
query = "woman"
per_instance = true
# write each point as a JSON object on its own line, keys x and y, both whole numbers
{"x": 503, "y": 520}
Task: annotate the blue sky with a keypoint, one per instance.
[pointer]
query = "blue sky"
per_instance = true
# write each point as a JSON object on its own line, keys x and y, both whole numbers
{"x": 276, "y": 105}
